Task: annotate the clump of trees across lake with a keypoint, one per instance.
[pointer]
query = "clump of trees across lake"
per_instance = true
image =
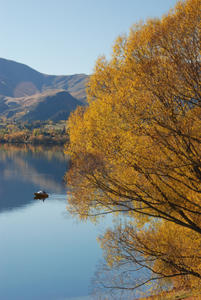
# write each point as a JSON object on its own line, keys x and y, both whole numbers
{"x": 136, "y": 151}
{"x": 35, "y": 133}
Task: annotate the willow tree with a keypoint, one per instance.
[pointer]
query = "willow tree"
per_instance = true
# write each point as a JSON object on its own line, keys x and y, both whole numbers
{"x": 136, "y": 147}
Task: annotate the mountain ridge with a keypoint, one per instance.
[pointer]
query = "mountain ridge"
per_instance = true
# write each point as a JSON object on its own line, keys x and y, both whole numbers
{"x": 20, "y": 84}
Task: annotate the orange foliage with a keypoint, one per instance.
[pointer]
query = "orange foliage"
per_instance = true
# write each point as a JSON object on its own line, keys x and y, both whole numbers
{"x": 137, "y": 147}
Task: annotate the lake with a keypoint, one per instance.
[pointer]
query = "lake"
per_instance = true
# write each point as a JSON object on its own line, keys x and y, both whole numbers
{"x": 45, "y": 254}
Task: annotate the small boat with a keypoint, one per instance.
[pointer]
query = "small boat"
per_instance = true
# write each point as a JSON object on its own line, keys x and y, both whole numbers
{"x": 41, "y": 195}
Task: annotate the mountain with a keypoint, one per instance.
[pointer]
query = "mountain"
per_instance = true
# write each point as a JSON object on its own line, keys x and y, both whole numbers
{"x": 26, "y": 94}
{"x": 52, "y": 105}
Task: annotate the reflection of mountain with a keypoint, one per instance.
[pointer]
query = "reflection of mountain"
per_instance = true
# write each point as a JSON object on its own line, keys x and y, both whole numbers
{"x": 30, "y": 174}
{"x": 24, "y": 172}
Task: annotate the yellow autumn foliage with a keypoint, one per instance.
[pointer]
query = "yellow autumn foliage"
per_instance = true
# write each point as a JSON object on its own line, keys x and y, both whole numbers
{"x": 136, "y": 147}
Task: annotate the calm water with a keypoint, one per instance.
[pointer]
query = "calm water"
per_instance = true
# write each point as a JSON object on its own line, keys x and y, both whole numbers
{"x": 44, "y": 252}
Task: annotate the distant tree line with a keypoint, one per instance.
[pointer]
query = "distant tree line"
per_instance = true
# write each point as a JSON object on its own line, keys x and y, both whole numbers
{"x": 36, "y": 133}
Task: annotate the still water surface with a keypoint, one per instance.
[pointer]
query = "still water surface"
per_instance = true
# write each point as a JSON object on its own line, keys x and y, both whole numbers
{"x": 45, "y": 254}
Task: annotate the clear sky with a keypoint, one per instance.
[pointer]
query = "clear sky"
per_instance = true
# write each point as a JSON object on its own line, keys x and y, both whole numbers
{"x": 67, "y": 36}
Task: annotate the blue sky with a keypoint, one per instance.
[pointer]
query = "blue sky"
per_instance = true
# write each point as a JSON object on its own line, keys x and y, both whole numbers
{"x": 67, "y": 36}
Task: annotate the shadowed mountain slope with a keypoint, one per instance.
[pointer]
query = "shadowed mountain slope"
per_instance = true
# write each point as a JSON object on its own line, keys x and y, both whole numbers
{"x": 26, "y": 94}
{"x": 51, "y": 105}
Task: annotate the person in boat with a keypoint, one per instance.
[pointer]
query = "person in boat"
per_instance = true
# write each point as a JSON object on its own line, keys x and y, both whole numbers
{"x": 41, "y": 194}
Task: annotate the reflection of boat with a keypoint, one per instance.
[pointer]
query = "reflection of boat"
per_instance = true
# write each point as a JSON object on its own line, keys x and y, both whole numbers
{"x": 41, "y": 195}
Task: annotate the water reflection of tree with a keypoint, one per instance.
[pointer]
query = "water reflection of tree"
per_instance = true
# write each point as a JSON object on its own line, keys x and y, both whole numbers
{"x": 49, "y": 153}
{"x": 113, "y": 283}
{"x": 145, "y": 261}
